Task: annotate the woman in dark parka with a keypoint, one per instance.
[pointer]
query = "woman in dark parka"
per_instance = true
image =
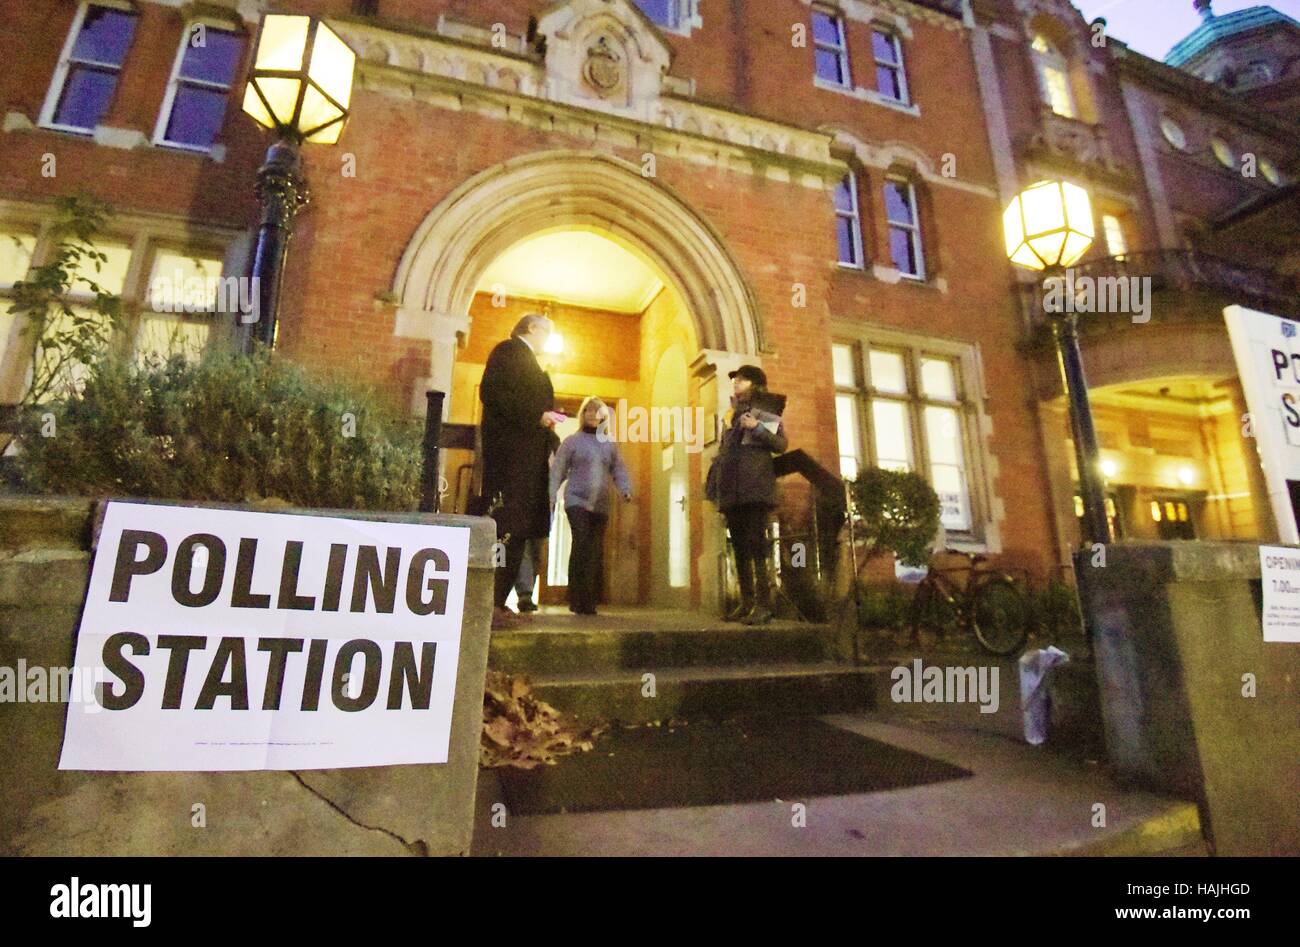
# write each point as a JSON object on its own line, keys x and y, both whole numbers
{"x": 743, "y": 485}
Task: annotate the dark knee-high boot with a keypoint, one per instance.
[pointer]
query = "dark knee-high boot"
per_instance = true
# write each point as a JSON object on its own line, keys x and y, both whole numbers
{"x": 762, "y": 612}
{"x": 745, "y": 573}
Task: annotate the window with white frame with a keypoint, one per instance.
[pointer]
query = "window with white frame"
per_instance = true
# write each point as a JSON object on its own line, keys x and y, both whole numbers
{"x": 202, "y": 77}
{"x": 891, "y": 80}
{"x": 109, "y": 276}
{"x": 904, "y": 228}
{"x": 903, "y": 407}
{"x": 178, "y": 291}
{"x": 665, "y": 13}
{"x": 88, "y": 71}
{"x": 184, "y": 290}
{"x": 848, "y": 221}
{"x": 1053, "y": 76}
{"x": 830, "y": 50}
{"x": 16, "y": 249}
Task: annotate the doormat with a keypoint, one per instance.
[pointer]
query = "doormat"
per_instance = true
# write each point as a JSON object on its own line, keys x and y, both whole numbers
{"x": 710, "y": 764}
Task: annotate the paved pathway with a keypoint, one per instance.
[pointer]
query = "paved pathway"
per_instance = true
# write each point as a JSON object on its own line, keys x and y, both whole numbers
{"x": 1021, "y": 800}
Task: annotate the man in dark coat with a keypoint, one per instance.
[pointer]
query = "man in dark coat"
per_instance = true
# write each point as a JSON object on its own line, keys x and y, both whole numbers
{"x": 517, "y": 440}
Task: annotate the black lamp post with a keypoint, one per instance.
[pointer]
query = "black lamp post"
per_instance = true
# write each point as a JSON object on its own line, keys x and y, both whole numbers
{"x": 1049, "y": 227}
{"x": 300, "y": 87}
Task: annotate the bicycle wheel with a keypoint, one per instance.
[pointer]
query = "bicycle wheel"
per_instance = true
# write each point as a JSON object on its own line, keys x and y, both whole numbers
{"x": 1000, "y": 616}
{"x": 932, "y": 611}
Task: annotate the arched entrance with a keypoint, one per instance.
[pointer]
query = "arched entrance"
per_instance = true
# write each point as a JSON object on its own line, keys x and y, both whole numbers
{"x": 454, "y": 290}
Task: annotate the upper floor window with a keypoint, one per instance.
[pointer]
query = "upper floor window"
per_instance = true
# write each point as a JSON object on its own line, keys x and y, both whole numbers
{"x": 830, "y": 51}
{"x": 891, "y": 82}
{"x": 87, "y": 74}
{"x": 1223, "y": 152}
{"x": 848, "y": 221}
{"x": 904, "y": 228}
{"x": 1116, "y": 245}
{"x": 1269, "y": 169}
{"x": 1173, "y": 132}
{"x": 1053, "y": 77}
{"x": 666, "y": 13}
{"x": 204, "y": 72}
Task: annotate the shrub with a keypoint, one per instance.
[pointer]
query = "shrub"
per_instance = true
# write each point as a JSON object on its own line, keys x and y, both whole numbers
{"x": 894, "y": 510}
{"x": 883, "y": 608}
{"x": 227, "y": 428}
{"x": 1056, "y": 607}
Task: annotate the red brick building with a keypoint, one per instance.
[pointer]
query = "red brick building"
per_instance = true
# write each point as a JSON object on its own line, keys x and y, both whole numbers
{"x": 686, "y": 185}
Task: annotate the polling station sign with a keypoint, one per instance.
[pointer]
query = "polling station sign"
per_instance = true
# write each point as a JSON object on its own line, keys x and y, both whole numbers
{"x": 1267, "y": 351}
{"x": 234, "y": 640}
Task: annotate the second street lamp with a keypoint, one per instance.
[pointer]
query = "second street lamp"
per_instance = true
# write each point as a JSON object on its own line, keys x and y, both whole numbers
{"x": 1048, "y": 227}
{"x": 300, "y": 87}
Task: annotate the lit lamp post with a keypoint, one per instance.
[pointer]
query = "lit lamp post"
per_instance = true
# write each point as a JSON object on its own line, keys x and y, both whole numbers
{"x": 300, "y": 87}
{"x": 1049, "y": 227}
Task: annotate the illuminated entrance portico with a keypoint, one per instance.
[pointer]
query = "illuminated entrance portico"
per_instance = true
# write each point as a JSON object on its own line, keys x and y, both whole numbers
{"x": 652, "y": 309}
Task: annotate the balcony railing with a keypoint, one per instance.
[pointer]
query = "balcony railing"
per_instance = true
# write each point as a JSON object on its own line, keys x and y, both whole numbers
{"x": 1076, "y": 142}
{"x": 1187, "y": 271}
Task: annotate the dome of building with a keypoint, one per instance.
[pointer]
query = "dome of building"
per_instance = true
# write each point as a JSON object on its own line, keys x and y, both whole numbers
{"x": 1215, "y": 29}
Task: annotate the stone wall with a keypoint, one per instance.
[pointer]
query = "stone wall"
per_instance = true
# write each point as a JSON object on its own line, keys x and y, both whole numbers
{"x": 1176, "y": 628}
{"x": 45, "y": 557}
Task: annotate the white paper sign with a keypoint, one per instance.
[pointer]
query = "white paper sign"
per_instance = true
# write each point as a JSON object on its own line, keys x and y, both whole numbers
{"x": 1267, "y": 351}
{"x": 1279, "y": 567}
{"x": 233, "y": 640}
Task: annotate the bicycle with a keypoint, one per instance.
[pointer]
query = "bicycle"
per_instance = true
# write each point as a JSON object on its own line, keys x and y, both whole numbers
{"x": 990, "y": 605}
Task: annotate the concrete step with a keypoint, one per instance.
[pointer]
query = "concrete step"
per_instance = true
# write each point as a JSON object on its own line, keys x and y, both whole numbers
{"x": 709, "y": 692}
{"x": 546, "y": 652}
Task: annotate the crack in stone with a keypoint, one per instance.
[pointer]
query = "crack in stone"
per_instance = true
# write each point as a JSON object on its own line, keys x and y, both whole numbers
{"x": 418, "y": 847}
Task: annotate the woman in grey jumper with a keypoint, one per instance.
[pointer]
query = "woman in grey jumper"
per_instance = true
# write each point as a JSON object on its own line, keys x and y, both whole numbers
{"x": 587, "y": 460}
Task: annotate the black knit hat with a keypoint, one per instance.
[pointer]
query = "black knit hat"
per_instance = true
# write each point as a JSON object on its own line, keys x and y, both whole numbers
{"x": 752, "y": 372}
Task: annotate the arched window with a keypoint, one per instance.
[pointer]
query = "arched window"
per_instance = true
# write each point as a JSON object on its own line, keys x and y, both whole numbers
{"x": 1053, "y": 77}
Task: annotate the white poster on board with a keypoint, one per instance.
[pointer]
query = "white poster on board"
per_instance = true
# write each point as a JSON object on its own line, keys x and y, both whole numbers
{"x": 1267, "y": 351}
{"x": 234, "y": 640}
{"x": 1279, "y": 567}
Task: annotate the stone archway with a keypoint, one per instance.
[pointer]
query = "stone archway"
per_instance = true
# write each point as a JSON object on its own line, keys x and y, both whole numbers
{"x": 445, "y": 260}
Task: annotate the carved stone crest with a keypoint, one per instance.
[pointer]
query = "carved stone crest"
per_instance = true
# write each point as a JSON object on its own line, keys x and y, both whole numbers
{"x": 603, "y": 69}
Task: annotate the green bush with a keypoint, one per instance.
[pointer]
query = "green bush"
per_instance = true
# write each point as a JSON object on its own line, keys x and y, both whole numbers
{"x": 1056, "y": 609}
{"x": 894, "y": 510}
{"x": 883, "y": 609}
{"x": 228, "y": 428}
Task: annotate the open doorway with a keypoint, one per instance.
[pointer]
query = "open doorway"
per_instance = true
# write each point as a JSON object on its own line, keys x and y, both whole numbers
{"x": 623, "y": 334}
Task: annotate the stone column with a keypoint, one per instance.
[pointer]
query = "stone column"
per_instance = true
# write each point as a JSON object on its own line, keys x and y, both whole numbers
{"x": 443, "y": 332}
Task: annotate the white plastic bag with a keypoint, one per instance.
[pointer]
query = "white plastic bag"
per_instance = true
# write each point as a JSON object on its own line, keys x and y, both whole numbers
{"x": 1035, "y": 668}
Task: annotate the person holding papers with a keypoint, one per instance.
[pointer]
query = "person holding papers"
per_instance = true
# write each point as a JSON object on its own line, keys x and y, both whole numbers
{"x": 742, "y": 484}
